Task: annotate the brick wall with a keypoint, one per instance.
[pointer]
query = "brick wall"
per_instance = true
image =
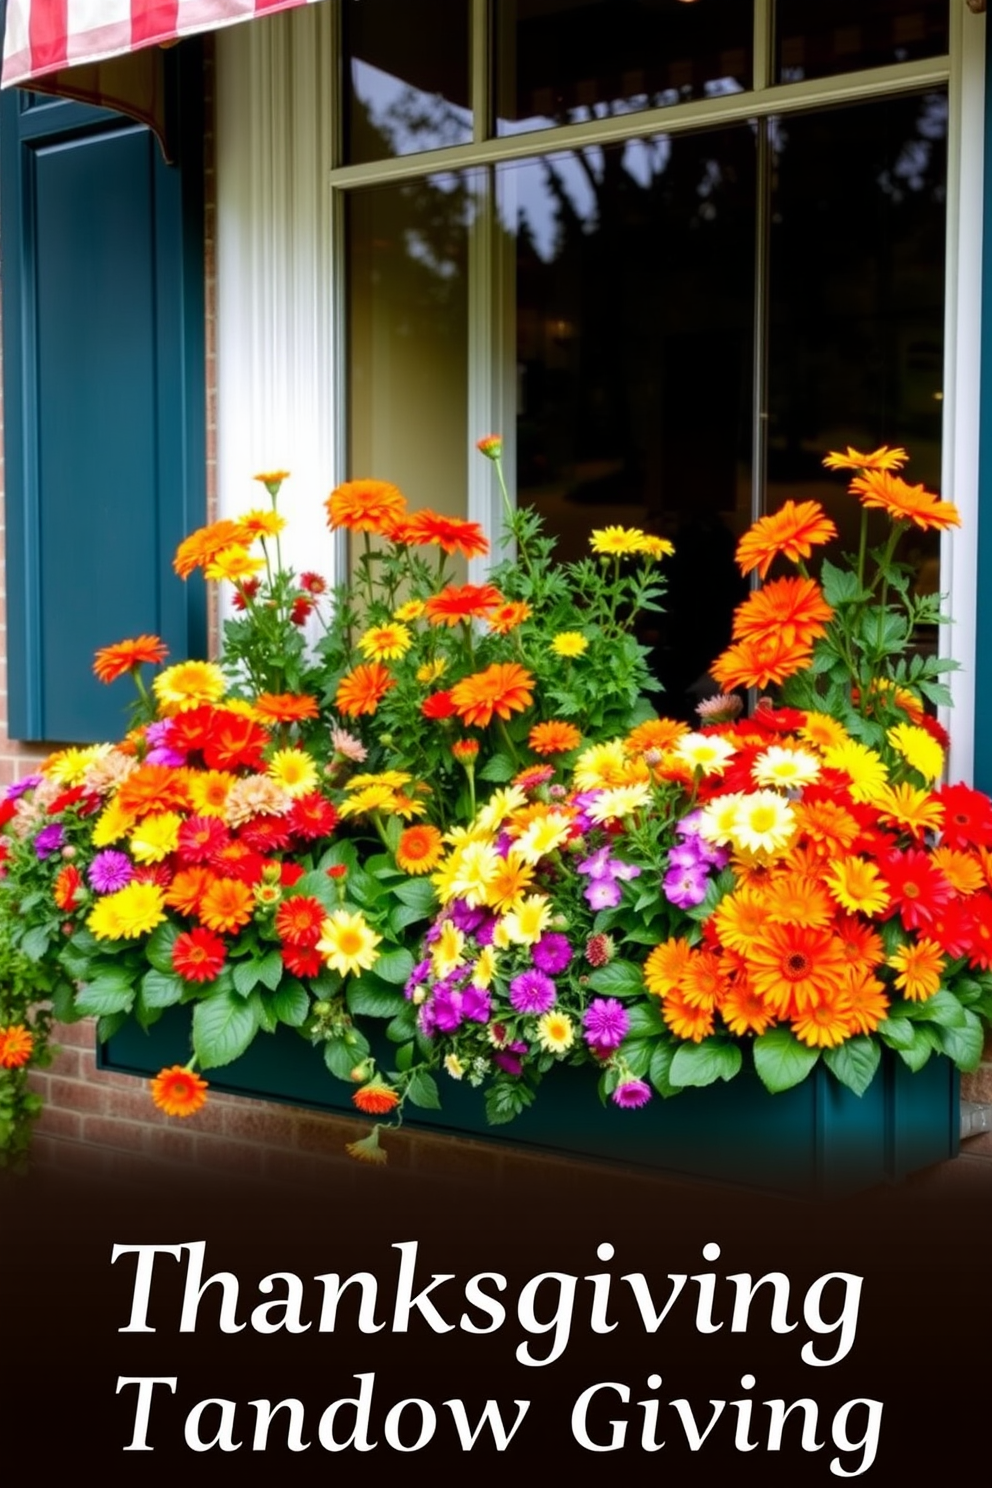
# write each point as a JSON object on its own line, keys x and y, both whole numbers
{"x": 97, "y": 1119}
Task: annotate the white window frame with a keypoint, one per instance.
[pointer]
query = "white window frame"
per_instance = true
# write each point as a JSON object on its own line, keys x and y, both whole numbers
{"x": 280, "y": 196}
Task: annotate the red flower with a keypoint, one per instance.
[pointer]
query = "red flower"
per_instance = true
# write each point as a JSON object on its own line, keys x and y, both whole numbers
{"x": 16, "y": 1046}
{"x": 301, "y": 962}
{"x": 198, "y": 956}
{"x": 376, "y": 1100}
{"x": 967, "y": 817}
{"x": 179, "y": 1091}
{"x": 290, "y": 873}
{"x": 200, "y": 837}
{"x": 919, "y": 890}
{"x": 298, "y": 921}
{"x": 463, "y": 602}
{"x": 437, "y": 706}
{"x": 113, "y": 661}
{"x": 267, "y": 834}
{"x": 453, "y": 534}
{"x": 312, "y": 817}
{"x": 233, "y": 740}
{"x": 67, "y": 886}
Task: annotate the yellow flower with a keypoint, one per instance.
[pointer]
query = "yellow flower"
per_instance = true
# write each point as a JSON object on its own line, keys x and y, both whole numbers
{"x": 785, "y": 768}
{"x": 234, "y": 564}
{"x": 656, "y": 547}
{"x": 543, "y": 835}
{"x": 601, "y": 766}
{"x": 569, "y": 643}
{"x": 431, "y": 671}
{"x": 373, "y": 798}
{"x": 447, "y": 953}
{"x": 619, "y": 801}
{"x": 501, "y": 804}
{"x": 555, "y": 1032}
{"x": 618, "y": 540}
{"x": 764, "y": 822}
{"x": 294, "y": 770}
{"x": 412, "y": 610}
{"x": 155, "y": 837}
{"x": 863, "y": 765}
{"x": 187, "y": 685}
{"x": 857, "y": 886}
{"x": 705, "y": 752}
{"x": 511, "y": 879}
{"x": 208, "y": 791}
{"x": 719, "y": 819}
{"x": 385, "y": 642}
{"x": 478, "y": 863}
{"x": 392, "y": 779}
{"x": 526, "y": 924}
{"x": 111, "y": 825}
{"x": 347, "y": 943}
{"x": 822, "y": 730}
{"x": 454, "y": 1066}
{"x": 920, "y": 751}
{"x": 69, "y": 766}
{"x": 485, "y": 968}
{"x": 132, "y": 911}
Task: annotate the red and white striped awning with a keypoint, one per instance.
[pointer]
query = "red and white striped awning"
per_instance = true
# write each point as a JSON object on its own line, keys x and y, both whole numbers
{"x": 47, "y": 36}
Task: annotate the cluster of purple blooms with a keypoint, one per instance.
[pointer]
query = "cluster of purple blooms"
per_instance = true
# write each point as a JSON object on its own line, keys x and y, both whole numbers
{"x": 690, "y": 863}
{"x": 605, "y": 875}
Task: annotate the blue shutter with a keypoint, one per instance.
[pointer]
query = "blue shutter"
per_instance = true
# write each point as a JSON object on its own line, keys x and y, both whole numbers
{"x": 103, "y": 358}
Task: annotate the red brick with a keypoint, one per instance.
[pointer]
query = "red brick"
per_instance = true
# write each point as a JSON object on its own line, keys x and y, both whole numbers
{"x": 55, "y": 1123}
{"x": 103, "y": 1131}
{"x": 270, "y": 1126}
{"x": 978, "y": 1086}
{"x": 169, "y": 1144}
{"x": 77, "y": 1095}
{"x": 978, "y": 1146}
{"x": 219, "y": 1155}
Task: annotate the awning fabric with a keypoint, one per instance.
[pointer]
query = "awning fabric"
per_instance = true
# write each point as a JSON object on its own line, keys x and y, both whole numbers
{"x": 49, "y": 36}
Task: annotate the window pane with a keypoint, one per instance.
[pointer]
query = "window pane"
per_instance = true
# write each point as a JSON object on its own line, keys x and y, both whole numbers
{"x": 564, "y": 61}
{"x": 857, "y": 298}
{"x": 408, "y": 337}
{"x": 634, "y": 270}
{"x": 405, "y": 90}
{"x": 820, "y": 38}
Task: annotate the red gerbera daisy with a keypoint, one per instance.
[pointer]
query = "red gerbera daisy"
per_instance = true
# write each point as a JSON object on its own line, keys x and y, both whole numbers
{"x": 919, "y": 890}
{"x": 232, "y": 740}
{"x": 200, "y": 837}
{"x": 298, "y": 921}
{"x": 437, "y": 706}
{"x": 376, "y": 1100}
{"x": 463, "y": 602}
{"x": 453, "y": 534}
{"x": 198, "y": 956}
{"x": 312, "y": 817}
{"x": 113, "y": 661}
{"x": 302, "y": 962}
{"x": 967, "y": 817}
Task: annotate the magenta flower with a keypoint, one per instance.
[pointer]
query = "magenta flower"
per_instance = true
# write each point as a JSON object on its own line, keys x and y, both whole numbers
{"x": 532, "y": 992}
{"x": 552, "y": 953}
{"x": 49, "y": 840}
{"x": 605, "y": 1022}
{"x": 631, "y": 1093}
{"x": 110, "y": 871}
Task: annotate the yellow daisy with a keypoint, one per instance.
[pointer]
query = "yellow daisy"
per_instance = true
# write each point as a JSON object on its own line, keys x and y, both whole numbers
{"x": 448, "y": 951}
{"x": 526, "y": 924}
{"x": 385, "y": 642}
{"x": 569, "y": 644}
{"x": 920, "y": 751}
{"x": 155, "y": 837}
{"x": 764, "y": 822}
{"x": 707, "y": 753}
{"x": 786, "y": 768}
{"x": 555, "y": 1032}
{"x": 294, "y": 770}
{"x": 132, "y": 911}
{"x": 865, "y": 768}
{"x": 187, "y": 685}
{"x": 617, "y": 541}
{"x": 348, "y": 943}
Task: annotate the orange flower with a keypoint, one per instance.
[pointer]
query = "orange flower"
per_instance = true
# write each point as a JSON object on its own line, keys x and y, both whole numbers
{"x": 203, "y": 545}
{"x": 793, "y": 609}
{"x": 743, "y": 1010}
{"x": 554, "y": 737}
{"x": 375, "y": 1099}
{"x": 463, "y": 602}
{"x": 285, "y": 707}
{"x": 225, "y": 905}
{"x": 152, "y": 788}
{"x": 366, "y": 506}
{"x": 179, "y": 1091}
{"x": 503, "y": 688}
{"x": 419, "y": 849}
{"x": 509, "y": 616}
{"x": 920, "y": 967}
{"x": 826, "y": 1023}
{"x": 362, "y": 690}
{"x": 16, "y": 1046}
{"x": 792, "y": 531}
{"x": 883, "y": 458}
{"x": 453, "y": 534}
{"x": 795, "y": 967}
{"x": 904, "y": 503}
{"x": 759, "y": 663}
{"x": 655, "y": 733}
{"x": 112, "y": 662}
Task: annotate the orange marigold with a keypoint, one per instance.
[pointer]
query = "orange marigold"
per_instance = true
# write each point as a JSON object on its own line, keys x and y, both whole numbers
{"x": 362, "y": 690}
{"x": 759, "y": 663}
{"x": 508, "y": 616}
{"x": 503, "y": 688}
{"x": 366, "y": 506}
{"x": 225, "y": 905}
{"x": 203, "y": 545}
{"x": 179, "y": 1091}
{"x": 419, "y": 849}
{"x": 285, "y": 707}
{"x": 554, "y": 737}
{"x": 375, "y": 1099}
{"x": 793, "y": 609}
{"x": 111, "y": 662}
{"x": 904, "y": 503}
{"x": 793, "y": 531}
{"x": 453, "y": 534}
{"x": 16, "y": 1046}
{"x": 463, "y": 602}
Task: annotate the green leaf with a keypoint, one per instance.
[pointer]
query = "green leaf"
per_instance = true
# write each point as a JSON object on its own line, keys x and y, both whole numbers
{"x": 158, "y": 947}
{"x": 854, "y": 1062}
{"x": 262, "y": 1008}
{"x": 418, "y": 893}
{"x": 618, "y": 979}
{"x": 341, "y": 1058}
{"x": 290, "y": 1003}
{"x": 64, "y": 1006}
{"x": 374, "y": 998}
{"x": 403, "y": 1026}
{"x": 110, "y": 991}
{"x": 645, "y": 1019}
{"x": 271, "y": 970}
{"x": 943, "y": 1008}
{"x": 781, "y": 1060}
{"x": 223, "y": 1027}
{"x": 405, "y": 1056}
{"x": 422, "y": 1091}
{"x": 245, "y": 975}
{"x": 394, "y": 966}
{"x": 107, "y": 1026}
{"x": 963, "y": 1045}
{"x": 704, "y": 1063}
{"x": 35, "y": 942}
{"x": 898, "y": 1033}
{"x": 659, "y": 1071}
{"x": 636, "y": 1054}
{"x": 840, "y": 585}
{"x": 498, "y": 770}
{"x": 160, "y": 990}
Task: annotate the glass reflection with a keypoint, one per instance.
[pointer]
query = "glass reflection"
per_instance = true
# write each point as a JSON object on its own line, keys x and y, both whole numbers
{"x": 821, "y": 38}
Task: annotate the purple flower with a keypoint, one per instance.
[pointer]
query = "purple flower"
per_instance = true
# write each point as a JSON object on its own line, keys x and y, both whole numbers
{"x": 448, "y": 1010}
{"x": 419, "y": 974}
{"x": 12, "y": 792}
{"x": 602, "y": 893}
{"x": 532, "y": 992}
{"x": 606, "y": 1022}
{"x": 689, "y": 825}
{"x": 685, "y": 887}
{"x": 552, "y": 953}
{"x": 476, "y": 1004}
{"x": 509, "y": 1058}
{"x": 687, "y": 854}
{"x": 597, "y": 866}
{"x": 110, "y": 871}
{"x": 49, "y": 840}
{"x": 464, "y": 918}
{"x": 632, "y": 1093}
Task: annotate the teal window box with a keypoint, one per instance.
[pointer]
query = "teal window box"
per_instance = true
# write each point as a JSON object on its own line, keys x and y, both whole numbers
{"x": 817, "y": 1138}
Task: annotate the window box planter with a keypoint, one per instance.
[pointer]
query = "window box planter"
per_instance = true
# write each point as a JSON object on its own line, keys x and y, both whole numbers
{"x": 817, "y": 1138}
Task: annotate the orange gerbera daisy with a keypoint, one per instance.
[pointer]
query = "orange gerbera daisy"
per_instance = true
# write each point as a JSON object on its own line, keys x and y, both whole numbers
{"x": 366, "y": 506}
{"x": 869, "y": 1004}
{"x": 362, "y": 690}
{"x": 904, "y": 503}
{"x": 111, "y": 662}
{"x": 685, "y": 1019}
{"x": 203, "y": 545}
{"x": 508, "y": 616}
{"x": 743, "y": 1010}
{"x": 179, "y": 1091}
{"x": 759, "y": 663}
{"x": 857, "y": 886}
{"x": 419, "y": 849}
{"x": 883, "y": 458}
{"x": 655, "y": 733}
{"x": 739, "y": 917}
{"x": 793, "y": 609}
{"x": 919, "y": 966}
{"x": 225, "y": 905}
{"x": 795, "y": 967}
{"x": 827, "y": 1022}
{"x": 665, "y": 965}
{"x": 375, "y": 1099}
{"x": 463, "y": 602}
{"x": 285, "y": 707}
{"x": 503, "y": 688}
{"x": 16, "y": 1046}
{"x": 554, "y": 737}
{"x": 152, "y": 788}
{"x": 453, "y": 534}
{"x": 793, "y": 531}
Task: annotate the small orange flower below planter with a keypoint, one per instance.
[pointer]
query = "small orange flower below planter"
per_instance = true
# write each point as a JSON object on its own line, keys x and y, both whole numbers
{"x": 818, "y": 1138}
